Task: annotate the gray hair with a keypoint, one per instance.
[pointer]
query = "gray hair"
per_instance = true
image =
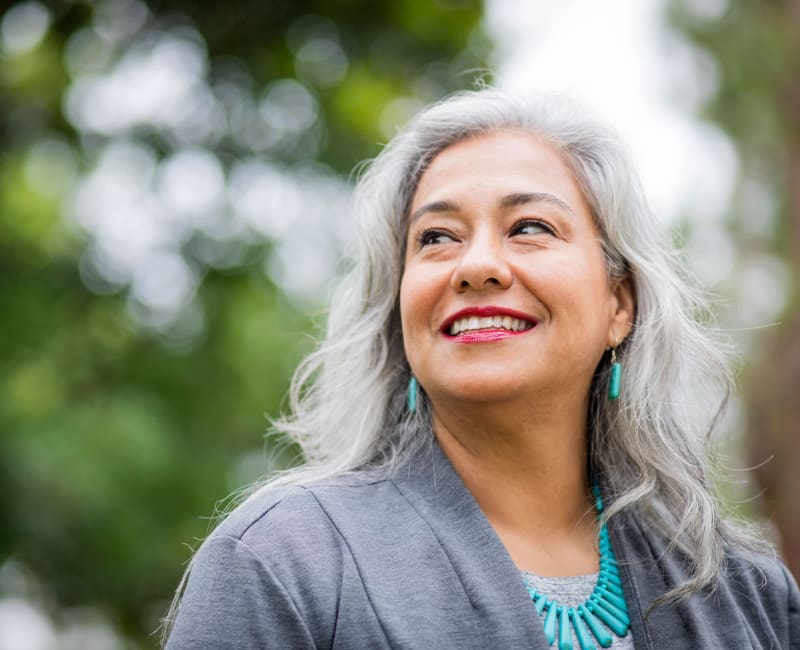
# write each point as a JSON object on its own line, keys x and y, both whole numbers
{"x": 651, "y": 447}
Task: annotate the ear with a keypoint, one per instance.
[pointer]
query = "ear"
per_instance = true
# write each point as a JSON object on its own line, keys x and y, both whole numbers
{"x": 623, "y": 310}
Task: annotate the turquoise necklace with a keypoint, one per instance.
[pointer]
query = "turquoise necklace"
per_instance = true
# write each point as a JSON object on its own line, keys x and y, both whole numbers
{"x": 604, "y": 610}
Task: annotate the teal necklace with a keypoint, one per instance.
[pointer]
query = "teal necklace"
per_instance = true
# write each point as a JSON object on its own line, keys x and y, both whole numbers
{"x": 604, "y": 610}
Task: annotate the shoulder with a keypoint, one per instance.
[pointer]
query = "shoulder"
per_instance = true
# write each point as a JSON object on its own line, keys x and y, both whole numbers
{"x": 753, "y": 596}
{"x": 760, "y": 574}
{"x": 743, "y": 570}
{"x": 760, "y": 588}
{"x": 294, "y": 511}
{"x": 277, "y": 566}
{"x": 312, "y": 527}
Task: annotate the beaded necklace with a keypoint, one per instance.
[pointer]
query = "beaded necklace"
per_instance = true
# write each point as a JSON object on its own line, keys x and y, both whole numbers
{"x": 604, "y": 610}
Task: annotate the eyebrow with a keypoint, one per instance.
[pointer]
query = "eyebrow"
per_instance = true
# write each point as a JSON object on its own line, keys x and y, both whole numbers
{"x": 435, "y": 206}
{"x": 523, "y": 198}
{"x": 508, "y": 201}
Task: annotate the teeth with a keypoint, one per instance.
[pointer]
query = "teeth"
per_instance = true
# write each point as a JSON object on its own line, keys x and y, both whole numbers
{"x": 472, "y": 323}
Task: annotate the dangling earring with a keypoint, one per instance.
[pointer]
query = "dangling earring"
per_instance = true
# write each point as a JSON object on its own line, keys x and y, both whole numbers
{"x": 615, "y": 382}
{"x": 411, "y": 397}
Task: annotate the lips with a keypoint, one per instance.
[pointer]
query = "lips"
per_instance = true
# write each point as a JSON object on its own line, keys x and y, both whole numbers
{"x": 488, "y": 323}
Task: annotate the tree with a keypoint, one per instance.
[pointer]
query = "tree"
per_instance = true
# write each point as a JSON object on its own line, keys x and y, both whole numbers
{"x": 137, "y": 359}
{"x": 757, "y": 52}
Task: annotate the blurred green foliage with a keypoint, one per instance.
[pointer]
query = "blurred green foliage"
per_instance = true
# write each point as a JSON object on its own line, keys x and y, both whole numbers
{"x": 116, "y": 443}
{"x": 756, "y": 67}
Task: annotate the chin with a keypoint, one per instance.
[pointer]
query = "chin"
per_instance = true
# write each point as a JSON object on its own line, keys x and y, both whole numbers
{"x": 479, "y": 390}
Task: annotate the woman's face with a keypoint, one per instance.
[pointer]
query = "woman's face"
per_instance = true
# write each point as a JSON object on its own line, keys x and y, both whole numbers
{"x": 505, "y": 292}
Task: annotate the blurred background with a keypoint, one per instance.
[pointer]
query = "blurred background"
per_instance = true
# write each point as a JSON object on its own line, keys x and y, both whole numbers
{"x": 174, "y": 207}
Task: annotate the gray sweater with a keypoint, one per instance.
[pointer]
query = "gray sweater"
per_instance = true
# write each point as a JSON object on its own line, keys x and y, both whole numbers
{"x": 410, "y": 561}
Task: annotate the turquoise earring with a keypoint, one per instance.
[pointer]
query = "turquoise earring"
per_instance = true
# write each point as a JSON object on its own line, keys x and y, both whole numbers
{"x": 411, "y": 397}
{"x": 615, "y": 382}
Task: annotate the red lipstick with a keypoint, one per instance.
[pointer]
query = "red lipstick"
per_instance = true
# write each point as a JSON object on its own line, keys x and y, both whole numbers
{"x": 487, "y": 334}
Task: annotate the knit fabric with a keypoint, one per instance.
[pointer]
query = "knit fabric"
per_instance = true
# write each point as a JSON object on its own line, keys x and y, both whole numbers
{"x": 572, "y": 591}
{"x": 408, "y": 560}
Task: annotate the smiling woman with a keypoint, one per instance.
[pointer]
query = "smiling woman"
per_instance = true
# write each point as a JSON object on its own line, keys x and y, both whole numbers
{"x": 511, "y": 235}
{"x": 476, "y": 473}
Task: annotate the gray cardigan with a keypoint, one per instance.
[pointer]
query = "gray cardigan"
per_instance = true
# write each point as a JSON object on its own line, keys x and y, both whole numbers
{"x": 410, "y": 561}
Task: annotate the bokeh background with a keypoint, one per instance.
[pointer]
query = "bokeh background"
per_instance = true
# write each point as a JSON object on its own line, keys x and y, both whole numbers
{"x": 174, "y": 206}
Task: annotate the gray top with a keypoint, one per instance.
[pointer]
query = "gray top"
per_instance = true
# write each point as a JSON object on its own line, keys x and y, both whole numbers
{"x": 410, "y": 561}
{"x": 571, "y": 591}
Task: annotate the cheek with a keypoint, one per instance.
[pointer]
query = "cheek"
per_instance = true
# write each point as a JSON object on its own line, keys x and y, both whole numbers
{"x": 420, "y": 304}
{"x": 407, "y": 281}
{"x": 410, "y": 307}
{"x": 405, "y": 308}
{"x": 576, "y": 286}
{"x": 410, "y": 321}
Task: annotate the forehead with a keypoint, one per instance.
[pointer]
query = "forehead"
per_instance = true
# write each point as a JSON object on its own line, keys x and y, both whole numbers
{"x": 499, "y": 162}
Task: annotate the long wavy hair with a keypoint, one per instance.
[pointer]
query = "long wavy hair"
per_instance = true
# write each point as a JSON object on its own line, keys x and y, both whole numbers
{"x": 652, "y": 446}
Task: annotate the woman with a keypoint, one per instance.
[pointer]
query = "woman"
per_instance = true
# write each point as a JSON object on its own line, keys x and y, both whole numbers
{"x": 478, "y": 472}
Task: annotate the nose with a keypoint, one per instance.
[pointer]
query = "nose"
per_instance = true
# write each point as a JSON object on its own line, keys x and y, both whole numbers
{"x": 482, "y": 265}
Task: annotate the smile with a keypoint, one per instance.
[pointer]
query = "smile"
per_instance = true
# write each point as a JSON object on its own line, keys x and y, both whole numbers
{"x": 486, "y": 324}
{"x": 475, "y": 323}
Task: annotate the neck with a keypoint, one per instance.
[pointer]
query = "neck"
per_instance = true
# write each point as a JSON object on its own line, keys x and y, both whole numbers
{"x": 527, "y": 469}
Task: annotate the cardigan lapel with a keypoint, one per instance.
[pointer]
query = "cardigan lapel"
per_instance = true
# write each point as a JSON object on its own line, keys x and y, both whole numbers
{"x": 624, "y": 541}
{"x": 489, "y": 576}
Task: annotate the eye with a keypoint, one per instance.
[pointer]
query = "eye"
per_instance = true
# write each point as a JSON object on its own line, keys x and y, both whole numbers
{"x": 531, "y": 227}
{"x": 430, "y": 237}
